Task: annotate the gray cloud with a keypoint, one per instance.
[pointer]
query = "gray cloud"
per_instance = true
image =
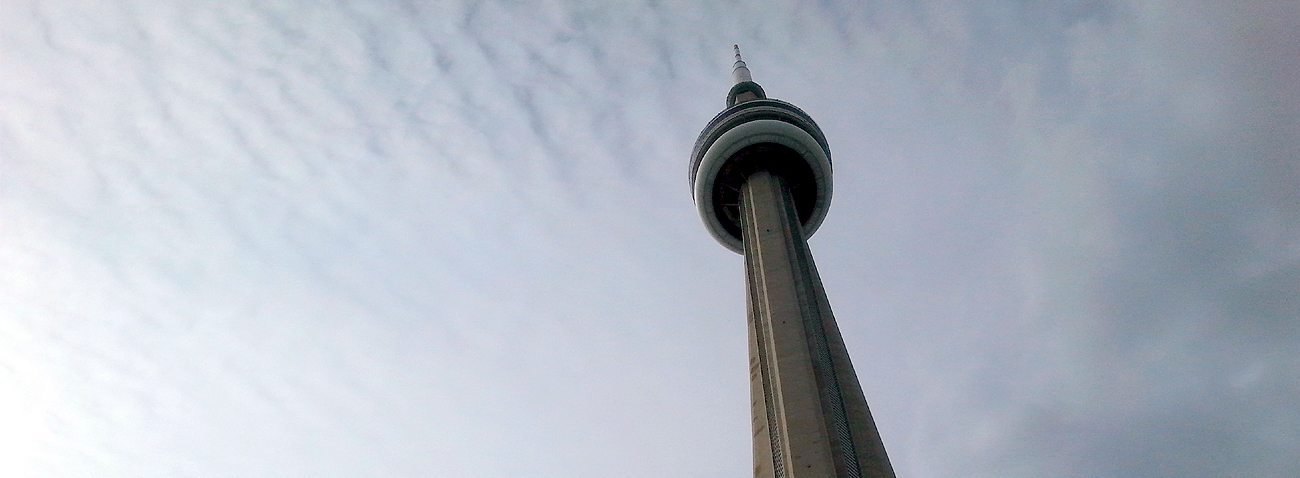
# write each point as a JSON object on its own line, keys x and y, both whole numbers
{"x": 386, "y": 239}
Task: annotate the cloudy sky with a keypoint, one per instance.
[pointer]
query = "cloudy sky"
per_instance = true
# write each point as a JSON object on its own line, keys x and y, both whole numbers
{"x": 383, "y": 238}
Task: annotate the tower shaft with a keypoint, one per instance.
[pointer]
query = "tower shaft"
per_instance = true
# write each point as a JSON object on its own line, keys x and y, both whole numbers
{"x": 810, "y": 417}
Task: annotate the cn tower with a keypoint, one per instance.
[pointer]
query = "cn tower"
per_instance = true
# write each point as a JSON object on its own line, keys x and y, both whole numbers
{"x": 761, "y": 176}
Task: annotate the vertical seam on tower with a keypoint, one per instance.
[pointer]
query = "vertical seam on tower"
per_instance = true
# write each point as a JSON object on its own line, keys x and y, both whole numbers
{"x": 762, "y": 328}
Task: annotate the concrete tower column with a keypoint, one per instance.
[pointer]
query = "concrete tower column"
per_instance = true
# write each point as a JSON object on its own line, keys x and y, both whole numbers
{"x": 810, "y": 416}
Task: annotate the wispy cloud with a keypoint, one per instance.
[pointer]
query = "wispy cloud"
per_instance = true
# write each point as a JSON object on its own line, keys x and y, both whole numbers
{"x": 272, "y": 239}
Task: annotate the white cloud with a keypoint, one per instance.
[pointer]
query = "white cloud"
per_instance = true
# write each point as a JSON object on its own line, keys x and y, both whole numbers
{"x": 376, "y": 239}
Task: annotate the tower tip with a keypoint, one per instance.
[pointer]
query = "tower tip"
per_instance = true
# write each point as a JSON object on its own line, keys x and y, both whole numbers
{"x": 739, "y": 71}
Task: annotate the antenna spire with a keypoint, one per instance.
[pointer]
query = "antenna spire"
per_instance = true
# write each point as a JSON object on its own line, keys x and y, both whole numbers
{"x": 739, "y": 71}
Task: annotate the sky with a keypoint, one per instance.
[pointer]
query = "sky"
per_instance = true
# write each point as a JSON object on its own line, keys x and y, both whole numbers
{"x": 443, "y": 239}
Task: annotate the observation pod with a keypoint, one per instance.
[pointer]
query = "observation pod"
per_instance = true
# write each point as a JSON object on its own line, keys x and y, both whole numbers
{"x": 756, "y": 132}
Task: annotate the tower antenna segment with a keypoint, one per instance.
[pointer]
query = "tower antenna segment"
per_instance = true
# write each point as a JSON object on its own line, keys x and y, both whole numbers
{"x": 743, "y": 88}
{"x": 739, "y": 71}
